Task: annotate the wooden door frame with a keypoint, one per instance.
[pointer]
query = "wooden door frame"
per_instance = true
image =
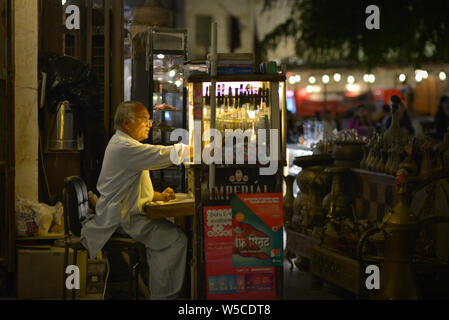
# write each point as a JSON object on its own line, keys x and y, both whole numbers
{"x": 8, "y": 166}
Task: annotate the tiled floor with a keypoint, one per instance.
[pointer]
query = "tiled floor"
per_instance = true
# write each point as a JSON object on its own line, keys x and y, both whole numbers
{"x": 300, "y": 285}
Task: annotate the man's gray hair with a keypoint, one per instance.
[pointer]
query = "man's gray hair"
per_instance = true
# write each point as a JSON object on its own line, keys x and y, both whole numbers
{"x": 124, "y": 110}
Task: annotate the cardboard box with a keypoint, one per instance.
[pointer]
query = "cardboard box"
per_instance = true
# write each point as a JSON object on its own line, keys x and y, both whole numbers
{"x": 40, "y": 273}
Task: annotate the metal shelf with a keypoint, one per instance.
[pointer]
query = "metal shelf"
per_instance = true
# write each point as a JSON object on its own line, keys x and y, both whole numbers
{"x": 50, "y": 236}
{"x": 238, "y": 77}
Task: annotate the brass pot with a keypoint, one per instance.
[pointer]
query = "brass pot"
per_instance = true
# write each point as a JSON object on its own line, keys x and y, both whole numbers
{"x": 348, "y": 153}
{"x": 299, "y": 207}
{"x": 314, "y": 184}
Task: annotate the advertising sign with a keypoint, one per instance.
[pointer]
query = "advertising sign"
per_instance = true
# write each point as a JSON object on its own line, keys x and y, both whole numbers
{"x": 257, "y": 230}
{"x": 223, "y": 280}
{"x": 231, "y": 180}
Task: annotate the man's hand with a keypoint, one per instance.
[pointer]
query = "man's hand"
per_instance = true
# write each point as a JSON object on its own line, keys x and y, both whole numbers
{"x": 162, "y": 196}
{"x": 166, "y": 195}
{"x": 169, "y": 193}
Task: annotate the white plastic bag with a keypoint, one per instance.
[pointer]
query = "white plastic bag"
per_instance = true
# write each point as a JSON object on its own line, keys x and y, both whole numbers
{"x": 33, "y": 218}
{"x": 26, "y": 219}
{"x": 58, "y": 219}
{"x": 58, "y": 211}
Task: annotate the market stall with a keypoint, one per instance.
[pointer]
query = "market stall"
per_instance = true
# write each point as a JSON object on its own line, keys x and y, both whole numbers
{"x": 374, "y": 202}
{"x": 238, "y": 228}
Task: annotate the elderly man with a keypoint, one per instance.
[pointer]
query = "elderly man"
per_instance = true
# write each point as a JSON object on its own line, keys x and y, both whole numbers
{"x": 125, "y": 186}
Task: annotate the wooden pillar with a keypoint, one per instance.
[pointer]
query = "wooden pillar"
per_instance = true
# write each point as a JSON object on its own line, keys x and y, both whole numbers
{"x": 107, "y": 73}
{"x": 117, "y": 42}
{"x": 50, "y": 26}
{"x": 89, "y": 31}
{"x": 8, "y": 229}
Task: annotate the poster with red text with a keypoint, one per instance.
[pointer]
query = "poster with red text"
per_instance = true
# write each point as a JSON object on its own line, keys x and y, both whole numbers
{"x": 223, "y": 280}
{"x": 257, "y": 230}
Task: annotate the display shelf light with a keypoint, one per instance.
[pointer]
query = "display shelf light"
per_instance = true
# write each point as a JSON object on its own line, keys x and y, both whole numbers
{"x": 297, "y": 78}
{"x": 325, "y": 79}
{"x": 402, "y": 77}
{"x": 351, "y": 79}
{"x": 312, "y": 79}
{"x": 442, "y": 76}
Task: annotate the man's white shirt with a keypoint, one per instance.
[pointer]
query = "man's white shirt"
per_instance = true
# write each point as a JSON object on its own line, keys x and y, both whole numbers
{"x": 125, "y": 186}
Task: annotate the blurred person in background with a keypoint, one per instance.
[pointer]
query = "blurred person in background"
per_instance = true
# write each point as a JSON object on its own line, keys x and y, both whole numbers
{"x": 329, "y": 125}
{"x": 350, "y": 120}
{"x": 404, "y": 120}
{"x": 341, "y": 120}
{"x": 292, "y": 136}
{"x": 386, "y": 113}
{"x": 442, "y": 118}
{"x": 361, "y": 121}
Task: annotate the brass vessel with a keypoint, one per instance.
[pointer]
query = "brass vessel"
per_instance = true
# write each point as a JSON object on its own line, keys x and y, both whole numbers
{"x": 314, "y": 184}
{"x": 340, "y": 207}
{"x": 395, "y": 139}
{"x": 340, "y": 197}
{"x": 400, "y": 228}
{"x": 288, "y": 200}
{"x": 395, "y": 134}
{"x": 373, "y": 153}
{"x": 442, "y": 149}
{"x": 348, "y": 153}
{"x": 367, "y": 152}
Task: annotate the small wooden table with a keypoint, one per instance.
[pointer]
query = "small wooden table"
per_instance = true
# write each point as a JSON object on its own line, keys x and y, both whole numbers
{"x": 183, "y": 205}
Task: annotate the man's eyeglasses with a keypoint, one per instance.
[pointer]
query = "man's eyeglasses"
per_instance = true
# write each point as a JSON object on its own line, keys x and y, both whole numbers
{"x": 144, "y": 120}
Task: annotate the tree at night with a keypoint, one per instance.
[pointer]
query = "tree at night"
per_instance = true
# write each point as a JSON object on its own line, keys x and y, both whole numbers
{"x": 329, "y": 32}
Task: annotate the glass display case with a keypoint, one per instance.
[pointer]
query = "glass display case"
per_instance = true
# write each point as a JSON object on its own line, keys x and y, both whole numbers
{"x": 159, "y": 55}
{"x": 246, "y": 102}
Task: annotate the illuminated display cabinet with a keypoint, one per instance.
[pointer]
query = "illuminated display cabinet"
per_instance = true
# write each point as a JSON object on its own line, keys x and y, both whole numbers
{"x": 243, "y": 102}
{"x": 159, "y": 55}
{"x": 246, "y": 102}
